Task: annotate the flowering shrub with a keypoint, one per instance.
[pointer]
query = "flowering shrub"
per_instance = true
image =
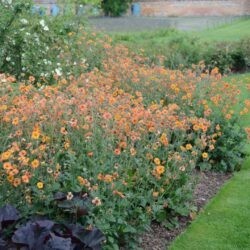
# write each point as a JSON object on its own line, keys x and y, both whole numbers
{"x": 44, "y": 47}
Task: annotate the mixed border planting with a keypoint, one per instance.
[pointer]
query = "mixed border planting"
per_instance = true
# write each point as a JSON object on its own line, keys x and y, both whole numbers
{"x": 98, "y": 138}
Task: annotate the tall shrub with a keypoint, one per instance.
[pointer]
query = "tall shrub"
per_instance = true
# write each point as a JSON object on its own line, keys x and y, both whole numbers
{"x": 115, "y": 7}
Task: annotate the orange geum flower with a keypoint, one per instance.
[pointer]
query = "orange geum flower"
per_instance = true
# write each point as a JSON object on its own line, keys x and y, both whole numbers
{"x": 108, "y": 178}
{"x": 10, "y": 178}
{"x": 164, "y": 139}
{"x": 14, "y": 171}
{"x": 7, "y": 166}
{"x": 83, "y": 181}
{"x": 188, "y": 146}
{"x": 63, "y": 131}
{"x": 35, "y": 163}
{"x": 35, "y": 134}
{"x": 157, "y": 161}
{"x": 16, "y": 182}
{"x": 123, "y": 144}
{"x": 25, "y": 178}
{"x": 6, "y": 155}
{"x": 117, "y": 151}
{"x": 196, "y": 127}
{"x": 15, "y": 121}
{"x": 159, "y": 169}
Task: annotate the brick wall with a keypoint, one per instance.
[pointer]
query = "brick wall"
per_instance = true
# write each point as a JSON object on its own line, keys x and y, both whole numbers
{"x": 194, "y": 7}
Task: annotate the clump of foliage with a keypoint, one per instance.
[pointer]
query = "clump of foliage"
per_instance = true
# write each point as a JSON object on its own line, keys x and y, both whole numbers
{"x": 115, "y": 7}
{"x": 42, "y": 233}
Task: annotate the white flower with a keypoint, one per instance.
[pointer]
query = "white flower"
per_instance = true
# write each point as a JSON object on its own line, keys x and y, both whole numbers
{"x": 42, "y": 22}
{"x": 46, "y": 28}
{"x": 58, "y": 71}
{"x": 7, "y": 2}
{"x": 8, "y": 59}
{"x": 24, "y": 21}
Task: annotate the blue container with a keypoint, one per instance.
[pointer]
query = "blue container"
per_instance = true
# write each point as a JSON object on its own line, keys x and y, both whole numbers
{"x": 54, "y": 11}
{"x": 136, "y": 9}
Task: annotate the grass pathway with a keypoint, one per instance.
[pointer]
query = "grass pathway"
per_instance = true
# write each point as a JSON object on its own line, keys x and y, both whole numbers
{"x": 225, "y": 222}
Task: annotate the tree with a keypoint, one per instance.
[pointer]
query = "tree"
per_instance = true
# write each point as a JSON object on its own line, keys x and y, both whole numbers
{"x": 115, "y": 7}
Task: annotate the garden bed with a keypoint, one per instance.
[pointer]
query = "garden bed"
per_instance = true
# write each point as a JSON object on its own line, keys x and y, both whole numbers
{"x": 208, "y": 184}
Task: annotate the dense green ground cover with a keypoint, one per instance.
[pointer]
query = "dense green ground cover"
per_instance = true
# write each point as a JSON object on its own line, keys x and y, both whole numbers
{"x": 224, "y": 224}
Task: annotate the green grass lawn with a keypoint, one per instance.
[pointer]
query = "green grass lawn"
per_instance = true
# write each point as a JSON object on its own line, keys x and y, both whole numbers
{"x": 228, "y": 32}
{"x": 224, "y": 224}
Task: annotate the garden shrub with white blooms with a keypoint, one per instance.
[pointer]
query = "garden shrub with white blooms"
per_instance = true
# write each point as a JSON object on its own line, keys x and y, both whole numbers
{"x": 43, "y": 47}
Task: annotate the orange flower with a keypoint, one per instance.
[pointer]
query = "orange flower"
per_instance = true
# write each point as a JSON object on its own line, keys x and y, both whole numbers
{"x": 196, "y": 127}
{"x": 108, "y": 178}
{"x": 16, "y": 182}
{"x": 160, "y": 169}
{"x": 10, "y": 178}
{"x": 6, "y": 155}
{"x": 164, "y": 139}
{"x": 35, "y": 163}
{"x": 83, "y": 181}
{"x": 117, "y": 151}
{"x": 15, "y": 121}
{"x": 63, "y": 131}
{"x": 35, "y": 134}
{"x": 157, "y": 161}
{"x": 189, "y": 147}
{"x": 7, "y": 166}
{"x": 25, "y": 178}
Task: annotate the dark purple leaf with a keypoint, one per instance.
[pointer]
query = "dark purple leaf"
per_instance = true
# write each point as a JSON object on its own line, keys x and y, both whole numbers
{"x": 45, "y": 224}
{"x": 90, "y": 238}
{"x": 8, "y": 214}
{"x": 2, "y": 244}
{"x": 59, "y": 196}
{"x": 33, "y": 234}
{"x": 25, "y": 235}
{"x": 58, "y": 243}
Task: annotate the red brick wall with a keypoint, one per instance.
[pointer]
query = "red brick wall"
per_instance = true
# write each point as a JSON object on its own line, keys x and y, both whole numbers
{"x": 194, "y": 7}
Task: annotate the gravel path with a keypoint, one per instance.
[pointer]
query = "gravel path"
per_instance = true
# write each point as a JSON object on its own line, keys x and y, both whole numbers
{"x": 130, "y": 24}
